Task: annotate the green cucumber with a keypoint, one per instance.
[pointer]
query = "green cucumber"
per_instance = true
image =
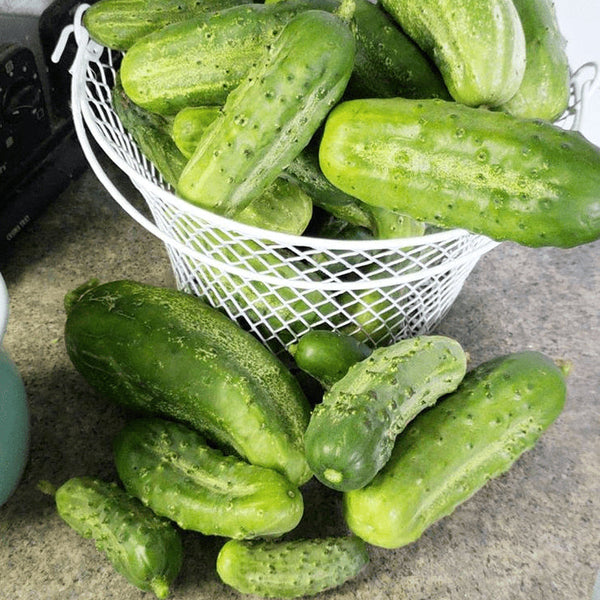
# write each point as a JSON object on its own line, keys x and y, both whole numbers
{"x": 172, "y": 470}
{"x": 351, "y": 434}
{"x": 327, "y": 355}
{"x": 290, "y": 569}
{"x": 545, "y": 90}
{"x": 117, "y": 24}
{"x": 164, "y": 352}
{"x": 189, "y": 124}
{"x": 272, "y": 115}
{"x": 454, "y": 166}
{"x": 479, "y": 47}
{"x": 141, "y": 546}
{"x": 450, "y": 451}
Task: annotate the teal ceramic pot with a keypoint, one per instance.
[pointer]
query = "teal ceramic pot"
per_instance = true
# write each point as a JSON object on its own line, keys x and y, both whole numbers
{"x": 14, "y": 413}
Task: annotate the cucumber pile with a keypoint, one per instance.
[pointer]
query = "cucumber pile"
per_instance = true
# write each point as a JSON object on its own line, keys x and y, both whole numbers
{"x": 220, "y": 438}
{"x": 390, "y": 118}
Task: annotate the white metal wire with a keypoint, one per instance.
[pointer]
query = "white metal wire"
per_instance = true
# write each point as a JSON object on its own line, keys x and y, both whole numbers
{"x": 279, "y": 285}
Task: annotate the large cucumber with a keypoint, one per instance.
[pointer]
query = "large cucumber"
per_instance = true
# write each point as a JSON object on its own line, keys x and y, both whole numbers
{"x": 478, "y": 45}
{"x": 351, "y": 433}
{"x": 119, "y": 23}
{"x": 545, "y": 89}
{"x": 172, "y": 470}
{"x": 455, "y": 166}
{"x": 450, "y": 451}
{"x": 141, "y": 546}
{"x": 162, "y": 351}
{"x": 290, "y": 569}
{"x": 272, "y": 115}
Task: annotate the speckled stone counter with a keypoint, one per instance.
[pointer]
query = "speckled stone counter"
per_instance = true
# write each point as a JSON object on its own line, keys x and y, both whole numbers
{"x": 533, "y": 533}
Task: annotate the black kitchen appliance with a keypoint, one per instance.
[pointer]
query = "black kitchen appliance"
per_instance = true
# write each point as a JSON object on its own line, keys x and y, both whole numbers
{"x": 39, "y": 151}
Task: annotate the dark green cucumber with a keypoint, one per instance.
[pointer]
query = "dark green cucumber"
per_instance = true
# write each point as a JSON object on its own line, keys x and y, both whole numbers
{"x": 351, "y": 433}
{"x": 141, "y": 546}
{"x": 119, "y": 23}
{"x": 479, "y": 47}
{"x": 272, "y": 115}
{"x": 173, "y": 471}
{"x": 459, "y": 167}
{"x": 168, "y": 353}
{"x": 545, "y": 89}
{"x": 152, "y": 133}
{"x": 327, "y": 355}
{"x": 290, "y": 569}
{"x": 450, "y": 451}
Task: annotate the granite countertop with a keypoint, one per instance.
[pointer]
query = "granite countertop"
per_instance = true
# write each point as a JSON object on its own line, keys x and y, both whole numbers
{"x": 532, "y": 533}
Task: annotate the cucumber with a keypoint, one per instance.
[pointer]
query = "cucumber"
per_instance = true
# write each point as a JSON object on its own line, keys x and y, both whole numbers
{"x": 478, "y": 45}
{"x": 141, "y": 546}
{"x": 272, "y": 115}
{"x": 167, "y": 353}
{"x": 453, "y": 166}
{"x": 545, "y": 90}
{"x": 450, "y": 451}
{"x": 290, "y": 569}
{"x": 117, "y": 24}
{"x": 172, "y": 470}
{"x": 327, "y": 355}
{"x": 351, "y": 434}
{"x": 189, "y": 124}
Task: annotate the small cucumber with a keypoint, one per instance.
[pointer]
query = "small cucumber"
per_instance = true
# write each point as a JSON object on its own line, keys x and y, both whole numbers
{"x": 165, "y": 352}
{"x": 272, "y": 115}
{"x": 351, "y": 434}
{"x": 327, "y": 355}
{"x": 478, "y": 46}
{"x": 189, "y": 124}
{"x": 141, "y": 546}
{"x": 454, "y": 166}
{"x": 450, "y": 451}
{"x": 545, "y": 89}
{"x": 290, "y": 569}
{"x": 172, "y": 470}
{"x": 118, "y": 24}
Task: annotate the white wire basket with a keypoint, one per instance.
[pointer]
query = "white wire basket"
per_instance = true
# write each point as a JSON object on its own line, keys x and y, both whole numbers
{"x": 277, "y": 285}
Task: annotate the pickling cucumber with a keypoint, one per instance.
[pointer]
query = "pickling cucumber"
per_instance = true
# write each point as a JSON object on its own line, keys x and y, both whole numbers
{"x": 293, "y": 568}
{"x": 165, "y": 352}
{"x": 351, "y": 434}
{"x": 173, "y": 471}
{"x": 450, "y": 451}
{"x": 141, "y": 546}
{"x": 454, "y": 166}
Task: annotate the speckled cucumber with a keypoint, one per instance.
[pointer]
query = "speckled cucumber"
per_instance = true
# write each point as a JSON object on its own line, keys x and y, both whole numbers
{"x": 450, "y": 451}
{"x": 454, "y": 166}
{"x": 290, "y": 569}
{"x": 327, "y": 355}
{"x": 164, "y": 352}
{"x": 173, "y": 471}
{"x": 545, "y": 89}
{"x": 351, "y": 433}
{"x": 478, "y": 46}
{"x": 272, "y": 115}
{"x": 141, "y": 546}
{"x": 119, "y": 23}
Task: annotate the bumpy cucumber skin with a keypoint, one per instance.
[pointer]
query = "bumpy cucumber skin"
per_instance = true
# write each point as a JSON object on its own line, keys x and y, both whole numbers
{"x": 167, "y": 353}
{"x": 141, "y": 546}
{"x": 290, "y": 569}
{"x": 327, "y": 355}
{"x": 545, "y": 89}
{"x": 173, "y": 471}
{"x": 453, "y": 166}
{"x": 117, "y": 24}
{"x": 152, "y": 133}
{"x": 479, "y": 47}
{"x": 189, "y": 124}
{"x": 450, "y": 451}
{"x": 351, "y": 434}
{"x": 272, "y": 115}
